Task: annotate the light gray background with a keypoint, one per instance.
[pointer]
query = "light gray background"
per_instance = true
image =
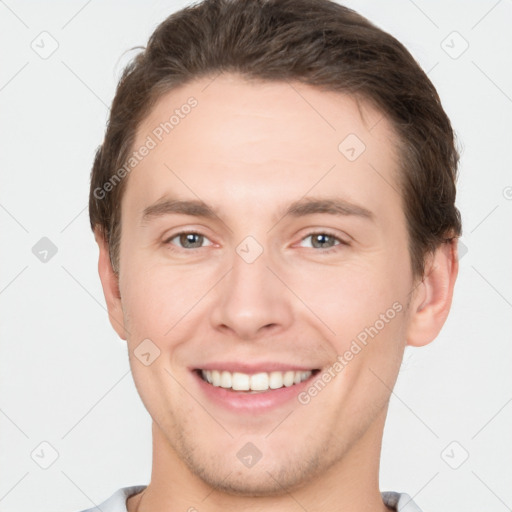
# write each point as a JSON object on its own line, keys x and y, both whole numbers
{"x": 64, "y": 374}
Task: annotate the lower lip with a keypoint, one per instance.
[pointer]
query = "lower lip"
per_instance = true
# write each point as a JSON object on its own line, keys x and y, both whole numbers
{"x": 242, "y": 401}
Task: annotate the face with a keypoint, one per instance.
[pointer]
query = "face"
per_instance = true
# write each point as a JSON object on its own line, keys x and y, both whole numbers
{"x": 264, "y": 248}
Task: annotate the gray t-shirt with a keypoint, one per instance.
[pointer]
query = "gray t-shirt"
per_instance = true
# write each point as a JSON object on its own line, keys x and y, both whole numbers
{"x": 117, "y": 502}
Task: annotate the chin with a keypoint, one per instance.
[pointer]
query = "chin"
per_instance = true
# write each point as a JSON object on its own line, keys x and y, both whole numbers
{"x": 251, "y": 483}
{"x": 266, "y": 478}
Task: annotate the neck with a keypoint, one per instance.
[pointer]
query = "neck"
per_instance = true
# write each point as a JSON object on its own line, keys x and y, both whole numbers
{"x": 348, "y": 485}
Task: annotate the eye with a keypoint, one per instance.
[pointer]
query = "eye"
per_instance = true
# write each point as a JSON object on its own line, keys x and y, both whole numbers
{"x": 188, "y": 240}
{"x": 322, "y": 240}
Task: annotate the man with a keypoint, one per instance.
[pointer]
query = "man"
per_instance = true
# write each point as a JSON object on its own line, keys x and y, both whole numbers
{"x": 274, "y": 208}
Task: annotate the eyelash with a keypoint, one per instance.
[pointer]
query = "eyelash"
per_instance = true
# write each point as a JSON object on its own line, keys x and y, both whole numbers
{"x": 176, "y": 235}
{"x": 322, "y": 232}
{"x": 329, "y": 234}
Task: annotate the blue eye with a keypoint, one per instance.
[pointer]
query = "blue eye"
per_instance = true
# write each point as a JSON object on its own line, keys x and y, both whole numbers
{"x": 323, "y": 241}
{"x": 188, "y": 240}
{"x": 193, "y": 240}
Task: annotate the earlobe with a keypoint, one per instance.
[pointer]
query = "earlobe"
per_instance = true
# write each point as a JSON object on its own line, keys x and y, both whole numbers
{"x": 432, "y": 299}
{"x": 110, "y": 284}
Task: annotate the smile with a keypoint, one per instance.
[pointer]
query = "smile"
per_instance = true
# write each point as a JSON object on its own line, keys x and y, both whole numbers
{"x": 257, "y": 382}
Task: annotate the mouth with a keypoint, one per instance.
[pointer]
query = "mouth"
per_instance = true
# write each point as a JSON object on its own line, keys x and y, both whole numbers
{"x": 261, "y": 382}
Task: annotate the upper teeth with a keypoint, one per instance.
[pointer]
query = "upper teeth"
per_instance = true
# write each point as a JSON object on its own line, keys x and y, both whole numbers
{"x": 255, "y": 382}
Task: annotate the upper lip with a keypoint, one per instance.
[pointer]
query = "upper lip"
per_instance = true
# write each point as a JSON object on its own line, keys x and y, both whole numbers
{"x": 250, "y": 369}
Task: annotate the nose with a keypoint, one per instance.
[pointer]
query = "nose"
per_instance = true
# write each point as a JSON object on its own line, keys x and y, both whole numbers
{"x": 251, "y": 301}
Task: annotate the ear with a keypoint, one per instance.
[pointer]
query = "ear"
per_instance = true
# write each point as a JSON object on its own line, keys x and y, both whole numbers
{"x": 110, "y": 283}
{"x": 432, "y": 298}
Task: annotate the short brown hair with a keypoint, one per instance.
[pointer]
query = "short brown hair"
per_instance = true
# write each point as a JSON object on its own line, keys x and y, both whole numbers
{"x": 316, "y": 42}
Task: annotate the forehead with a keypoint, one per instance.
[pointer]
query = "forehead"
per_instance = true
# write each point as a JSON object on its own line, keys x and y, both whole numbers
{"x": 228, "y": 134}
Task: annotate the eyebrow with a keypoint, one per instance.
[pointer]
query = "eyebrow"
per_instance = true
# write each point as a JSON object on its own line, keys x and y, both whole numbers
{"x": 169, "y": 206}
{"x": 333, "y": 206}
{"x": 299, "y": 208}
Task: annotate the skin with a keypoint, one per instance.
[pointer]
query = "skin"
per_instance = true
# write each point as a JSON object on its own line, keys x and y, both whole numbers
{"x": 248, "y": 150}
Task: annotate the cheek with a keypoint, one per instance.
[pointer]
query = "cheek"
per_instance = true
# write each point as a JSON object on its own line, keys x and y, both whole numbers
{"x": 148, "y": 291}
{"x": 156, "y": 299}
{"x": 349, "y": 298}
